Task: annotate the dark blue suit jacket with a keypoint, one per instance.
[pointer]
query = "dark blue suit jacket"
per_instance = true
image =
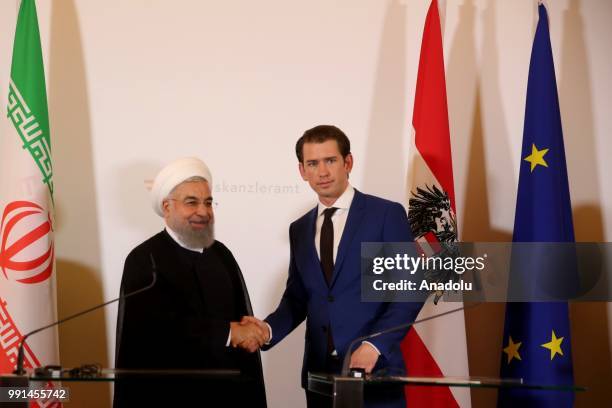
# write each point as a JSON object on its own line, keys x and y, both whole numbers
{"x": 307, "y": 295}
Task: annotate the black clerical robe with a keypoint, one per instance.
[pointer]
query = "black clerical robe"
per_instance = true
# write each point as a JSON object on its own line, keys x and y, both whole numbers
{"x": 183, "y": 322}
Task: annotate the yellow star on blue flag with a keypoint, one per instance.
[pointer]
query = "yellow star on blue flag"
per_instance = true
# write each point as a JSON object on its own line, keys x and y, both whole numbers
{"x": 554, "y": 345}
{"x": 512, "y": 350}
{"x": 536, "y": 158}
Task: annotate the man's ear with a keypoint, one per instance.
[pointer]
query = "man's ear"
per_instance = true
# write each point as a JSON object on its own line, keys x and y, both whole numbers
{"x": 302, "y": 171}
{"x": 166, "y": 207}
{"x": 348, "y": 162}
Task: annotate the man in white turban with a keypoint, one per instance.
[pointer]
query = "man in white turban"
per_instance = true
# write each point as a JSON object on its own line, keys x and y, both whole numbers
{"x": 190, "y": 318}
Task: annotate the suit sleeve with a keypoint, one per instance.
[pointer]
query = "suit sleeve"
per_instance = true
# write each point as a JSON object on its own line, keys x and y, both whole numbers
{"x": 292, "y": 308}
{"x": 396, "y": 228}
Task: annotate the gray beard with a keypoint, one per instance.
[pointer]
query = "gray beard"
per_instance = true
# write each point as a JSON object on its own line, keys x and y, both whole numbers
{"x": 197, "y": 239}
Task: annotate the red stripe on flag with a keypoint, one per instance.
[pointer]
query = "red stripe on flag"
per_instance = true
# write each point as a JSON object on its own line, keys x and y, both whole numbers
{"x": 11, "y": 338}
{"x": 419, "y": 362}
{"x": 428, "y": 245}
{"x": 430, "y": 115}
{"x": 432, "y": 141}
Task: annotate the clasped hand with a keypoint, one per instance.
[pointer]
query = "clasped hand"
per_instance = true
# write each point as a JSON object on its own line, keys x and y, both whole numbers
{"x": 249, "y": 334}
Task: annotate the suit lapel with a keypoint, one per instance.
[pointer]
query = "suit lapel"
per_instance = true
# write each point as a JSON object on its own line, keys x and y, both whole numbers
{"x": 355, "y": 216}
{"x": 306, "y": 252}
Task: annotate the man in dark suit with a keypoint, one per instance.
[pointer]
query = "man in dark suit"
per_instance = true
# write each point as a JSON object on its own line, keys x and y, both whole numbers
{"x": 324, "y": 282}
{"x": 189, "y": 319}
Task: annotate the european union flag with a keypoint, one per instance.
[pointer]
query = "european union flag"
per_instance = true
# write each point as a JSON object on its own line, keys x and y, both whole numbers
{"x": 536, "y": 344}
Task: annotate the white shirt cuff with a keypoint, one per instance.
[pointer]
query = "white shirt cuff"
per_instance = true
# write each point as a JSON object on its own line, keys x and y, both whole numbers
{"x": 373, "y": 346}
{"x": 270, "y": 329}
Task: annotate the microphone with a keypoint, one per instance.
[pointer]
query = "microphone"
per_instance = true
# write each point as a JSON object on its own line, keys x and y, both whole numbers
{"x": 349, "y": 353}
{"x": 19, "y": 370}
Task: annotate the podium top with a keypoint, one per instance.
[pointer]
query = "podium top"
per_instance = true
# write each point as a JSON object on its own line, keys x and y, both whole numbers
{"x": 319, "y": 380}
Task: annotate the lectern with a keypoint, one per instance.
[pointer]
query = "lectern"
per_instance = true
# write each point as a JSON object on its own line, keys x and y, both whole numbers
{"x": 347, "y": 391}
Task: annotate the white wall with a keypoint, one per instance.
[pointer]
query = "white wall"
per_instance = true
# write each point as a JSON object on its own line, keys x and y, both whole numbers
{"x": 134, "y": 84}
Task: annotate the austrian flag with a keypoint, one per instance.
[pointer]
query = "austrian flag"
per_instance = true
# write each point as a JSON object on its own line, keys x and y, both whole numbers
{"x": 437, "y": 347}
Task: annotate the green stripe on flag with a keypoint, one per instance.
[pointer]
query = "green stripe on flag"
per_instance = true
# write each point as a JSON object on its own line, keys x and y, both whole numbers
{"x": 27, "y": 104}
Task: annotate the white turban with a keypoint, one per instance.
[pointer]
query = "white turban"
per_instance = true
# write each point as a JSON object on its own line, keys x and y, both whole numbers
{"x": 174, "y": 174}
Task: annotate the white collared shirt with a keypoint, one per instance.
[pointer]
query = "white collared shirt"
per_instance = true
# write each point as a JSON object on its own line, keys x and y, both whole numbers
{"x": 343, "y": 204}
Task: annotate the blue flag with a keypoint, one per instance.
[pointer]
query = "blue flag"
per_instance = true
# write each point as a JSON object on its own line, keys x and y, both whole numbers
{"x": 536, "y": 344}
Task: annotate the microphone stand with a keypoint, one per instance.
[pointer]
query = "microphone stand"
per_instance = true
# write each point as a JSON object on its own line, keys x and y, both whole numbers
{"x": 19, "y": 370}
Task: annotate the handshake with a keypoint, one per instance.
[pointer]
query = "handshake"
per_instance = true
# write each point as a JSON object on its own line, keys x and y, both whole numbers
{"x": 249, "y": 334}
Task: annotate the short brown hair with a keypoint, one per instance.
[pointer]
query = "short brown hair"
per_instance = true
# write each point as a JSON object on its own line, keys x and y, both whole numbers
{"x": 320, "y": 134}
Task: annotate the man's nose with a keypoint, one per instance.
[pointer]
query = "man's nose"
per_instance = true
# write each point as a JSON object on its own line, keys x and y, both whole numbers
{"x": 204, "y": 210}
{"x": 323, "y": 169}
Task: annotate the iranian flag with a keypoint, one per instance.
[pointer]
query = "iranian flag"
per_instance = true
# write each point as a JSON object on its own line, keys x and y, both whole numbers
{"x": 27, "y": 280}
{"x": 437, "y": 347}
